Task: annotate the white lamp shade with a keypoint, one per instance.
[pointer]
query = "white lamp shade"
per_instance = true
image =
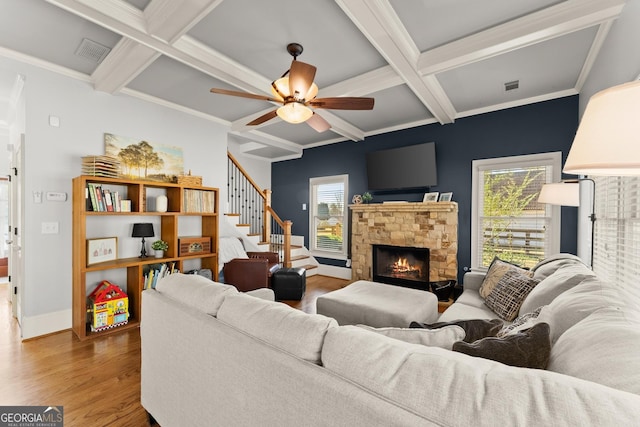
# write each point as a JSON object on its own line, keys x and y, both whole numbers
{"x": 560, "y": 193}
{"x": 608, "y": 139}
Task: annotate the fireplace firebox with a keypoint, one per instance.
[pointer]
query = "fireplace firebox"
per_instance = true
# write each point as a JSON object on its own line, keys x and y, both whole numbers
{"x": 401, "y": 265}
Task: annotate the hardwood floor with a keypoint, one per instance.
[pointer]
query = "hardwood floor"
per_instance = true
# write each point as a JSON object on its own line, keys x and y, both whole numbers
{"x": 97, "y": 381}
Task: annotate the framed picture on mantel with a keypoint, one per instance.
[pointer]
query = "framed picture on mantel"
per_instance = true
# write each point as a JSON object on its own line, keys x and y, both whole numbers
{"x": 430, "y": 197}
{"x": 446, "y": 197}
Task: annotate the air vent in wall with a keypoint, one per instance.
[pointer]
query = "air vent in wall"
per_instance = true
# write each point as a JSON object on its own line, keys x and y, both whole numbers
{"x": 512, "y": 85}
{"x": 92, "y": 51}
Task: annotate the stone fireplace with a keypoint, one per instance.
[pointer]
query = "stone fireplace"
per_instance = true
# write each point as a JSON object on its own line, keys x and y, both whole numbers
{"x": 431, "y": 225}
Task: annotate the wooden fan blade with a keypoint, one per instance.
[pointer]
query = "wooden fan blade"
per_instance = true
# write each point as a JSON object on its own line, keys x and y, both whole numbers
{"x": 343, "y": 103}
{"x": 263, "y": 118}
{"x": 301, "y": 77}
{"x": 243, "y": 94}
{"x": 318, "y": 123}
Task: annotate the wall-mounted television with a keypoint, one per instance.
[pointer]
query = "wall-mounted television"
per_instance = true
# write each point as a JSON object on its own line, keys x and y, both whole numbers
{"x": 408, "y": 167}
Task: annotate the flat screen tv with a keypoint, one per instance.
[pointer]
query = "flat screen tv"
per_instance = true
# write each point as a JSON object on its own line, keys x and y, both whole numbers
{"x": 408, "y": 167}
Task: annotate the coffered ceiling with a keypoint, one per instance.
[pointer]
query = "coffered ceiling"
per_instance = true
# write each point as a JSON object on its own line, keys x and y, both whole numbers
{"x": 424, "y": 61}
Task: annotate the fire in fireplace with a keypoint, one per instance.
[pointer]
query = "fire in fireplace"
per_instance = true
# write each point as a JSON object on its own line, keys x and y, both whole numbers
{"x": 401, "y": 265}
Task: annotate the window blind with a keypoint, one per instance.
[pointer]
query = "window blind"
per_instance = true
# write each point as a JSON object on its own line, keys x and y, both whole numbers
{"x": 616, "y": 251}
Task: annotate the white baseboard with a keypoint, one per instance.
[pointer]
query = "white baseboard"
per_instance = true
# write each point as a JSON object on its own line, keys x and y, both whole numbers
{"x": 34, "y": 326}
{"x": 333, "y": 271}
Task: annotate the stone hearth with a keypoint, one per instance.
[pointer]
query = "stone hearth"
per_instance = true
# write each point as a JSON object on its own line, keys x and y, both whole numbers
{"x": 432, "y": 225}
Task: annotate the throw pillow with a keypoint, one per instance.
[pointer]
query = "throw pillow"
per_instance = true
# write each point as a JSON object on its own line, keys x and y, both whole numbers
{"x": 530, "y": 348}
{"x": 442, "y": 337}
{"x": 496, "y": 270}
{"x": 474, "y": 329}
{"x": 509, "y": 293}
{"x": 522, "y": 322}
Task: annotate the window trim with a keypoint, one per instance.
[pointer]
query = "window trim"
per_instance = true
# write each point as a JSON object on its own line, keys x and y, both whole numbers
{"x": 551, "y": 158}
{"x": 344, "y": 178}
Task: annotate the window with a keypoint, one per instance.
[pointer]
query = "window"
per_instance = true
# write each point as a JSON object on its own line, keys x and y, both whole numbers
{"x": 507, "y": 220}
{"x": 328, "y": 216}
{"x": 616, "y": 250}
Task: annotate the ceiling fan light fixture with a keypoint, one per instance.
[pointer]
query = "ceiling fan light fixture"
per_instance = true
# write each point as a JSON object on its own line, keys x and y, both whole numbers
{"x": 312, "y": 92}
{"x": 294, "y": 112}
{"x": 280, "y": 88}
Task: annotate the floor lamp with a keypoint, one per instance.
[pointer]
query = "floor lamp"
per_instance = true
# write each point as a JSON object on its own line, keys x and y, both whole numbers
{"x": 607, "y": 141}
{"x": 567, "y": 193}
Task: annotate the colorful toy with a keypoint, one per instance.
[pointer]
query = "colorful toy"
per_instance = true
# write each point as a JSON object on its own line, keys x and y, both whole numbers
{"x": 109, "y": 306}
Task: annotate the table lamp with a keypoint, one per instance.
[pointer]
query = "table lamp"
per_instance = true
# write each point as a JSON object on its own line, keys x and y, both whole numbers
{"x": 143, "y": 229}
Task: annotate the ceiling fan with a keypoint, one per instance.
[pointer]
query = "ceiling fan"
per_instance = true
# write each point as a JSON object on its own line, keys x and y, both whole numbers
{"x": 297, "y": 93}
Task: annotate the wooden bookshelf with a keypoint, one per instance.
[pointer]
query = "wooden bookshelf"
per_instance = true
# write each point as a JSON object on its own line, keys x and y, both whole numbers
{"x": 136, "y": 191}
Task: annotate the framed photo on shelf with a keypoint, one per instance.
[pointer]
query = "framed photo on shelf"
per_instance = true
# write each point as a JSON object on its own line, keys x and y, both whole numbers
{"x": 430, "y": 197}
{"x": 101, "y": 250}
{"x": 445, "y": 197}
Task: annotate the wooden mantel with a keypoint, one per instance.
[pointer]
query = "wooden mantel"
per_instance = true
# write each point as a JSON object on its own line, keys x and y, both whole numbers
{"x": 432, "y": 225}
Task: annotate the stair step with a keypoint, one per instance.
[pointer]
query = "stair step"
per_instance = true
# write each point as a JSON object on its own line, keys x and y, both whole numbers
{"x": 309, "y": 266}
{"x": 243, "y": 225}
{"x": 253, "y": 234}
{"x": 232, "y": 214}
{"x": 299, "y": 257}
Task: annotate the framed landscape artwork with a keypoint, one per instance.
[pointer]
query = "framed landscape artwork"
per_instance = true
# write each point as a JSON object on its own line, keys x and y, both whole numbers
{"x": 144, "y": 160}
{"x": 430, "y": 197}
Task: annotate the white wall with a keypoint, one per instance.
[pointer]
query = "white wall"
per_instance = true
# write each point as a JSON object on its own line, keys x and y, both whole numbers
{"x": 619, "y": 60}
{"x": 259, "y": 170}
{"x": 53, "y": 158}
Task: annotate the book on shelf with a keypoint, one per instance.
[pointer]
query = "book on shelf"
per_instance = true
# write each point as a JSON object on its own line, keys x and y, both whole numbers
{"x": 154, "y": 272}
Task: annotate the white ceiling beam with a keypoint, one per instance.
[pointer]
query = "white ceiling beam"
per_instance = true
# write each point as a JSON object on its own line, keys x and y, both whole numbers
{"x": 109, "y": 14}
{"x": 377, "y": 20}
{"x": 364, "y": 84}
{"x": 125, "y": 61}
{"x": 554, "y": 21}
{"x": 342, "y": 127}
{"x": 164, "y": 19}
{"x": 171, "y": 19}
{"x": 270, "y": 140}
{"x": 598, "y": 41}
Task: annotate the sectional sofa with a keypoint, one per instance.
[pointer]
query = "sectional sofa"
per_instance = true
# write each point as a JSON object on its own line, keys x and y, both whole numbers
{"x": 214, "y": 356}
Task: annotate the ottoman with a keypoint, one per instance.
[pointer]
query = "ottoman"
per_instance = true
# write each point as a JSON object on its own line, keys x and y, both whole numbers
{"x": 378, "y": 305}
{"x": 289, "y": 283}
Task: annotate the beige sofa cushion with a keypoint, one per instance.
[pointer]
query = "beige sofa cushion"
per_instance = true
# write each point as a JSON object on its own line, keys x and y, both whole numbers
{"x": 603, "y": 348}
{"x": 288, "y": 329}
{"x": 196, "y": 291}
{"x": 564, "y": 278}
{"x": 442, "y": 337}
{"x": 577, "y": 303}
{"x": 426, "y": 380}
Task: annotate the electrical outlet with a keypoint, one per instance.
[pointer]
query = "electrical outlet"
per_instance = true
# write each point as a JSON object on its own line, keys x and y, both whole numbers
{"x": 50, "y": 228}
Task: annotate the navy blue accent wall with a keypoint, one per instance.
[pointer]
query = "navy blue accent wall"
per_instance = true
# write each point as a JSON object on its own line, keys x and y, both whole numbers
{"x": 537, "y": 128}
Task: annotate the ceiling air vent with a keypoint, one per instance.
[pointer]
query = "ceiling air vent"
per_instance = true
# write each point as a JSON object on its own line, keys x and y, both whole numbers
{"x": 92, "y": 51}
{"x": 512, "y": 85}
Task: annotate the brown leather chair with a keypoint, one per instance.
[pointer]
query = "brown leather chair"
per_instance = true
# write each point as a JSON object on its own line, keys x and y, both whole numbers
{"x": 247, "y": 274}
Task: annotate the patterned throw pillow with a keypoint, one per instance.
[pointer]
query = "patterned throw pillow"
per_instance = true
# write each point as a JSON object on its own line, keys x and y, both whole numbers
{"x": 474, "y": 329}
{"x": 506, "y": 297}
{"x": 524, "y": 321}
{"x": 496, "y": 270}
